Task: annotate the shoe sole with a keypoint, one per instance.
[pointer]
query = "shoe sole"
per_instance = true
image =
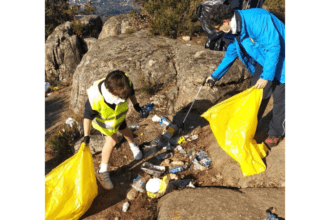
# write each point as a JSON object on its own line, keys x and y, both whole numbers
{"x": 100, "y": 181}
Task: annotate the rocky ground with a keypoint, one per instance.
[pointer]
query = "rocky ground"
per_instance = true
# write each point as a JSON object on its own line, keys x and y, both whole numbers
{"x": 221, "y": 184}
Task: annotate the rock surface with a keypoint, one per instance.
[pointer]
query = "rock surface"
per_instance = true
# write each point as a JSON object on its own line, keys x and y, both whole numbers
{"x": 64, "y": 49}
{"x": 167, "y": 69}
{"x": 63, "y": 52}
{"x": 217, "y": 203}
{"x": 114, "y": 26}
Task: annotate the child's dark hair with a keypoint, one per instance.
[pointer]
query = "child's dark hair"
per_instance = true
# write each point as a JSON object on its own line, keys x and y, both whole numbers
{"x": 117, "y": 83}
{"x": 219, "y": 13}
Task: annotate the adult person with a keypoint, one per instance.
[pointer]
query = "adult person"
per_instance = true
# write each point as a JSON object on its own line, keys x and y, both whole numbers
{"x": 259, "y": 41}
{"x": 105, "y": 110}
{"x": 215, "y": 40}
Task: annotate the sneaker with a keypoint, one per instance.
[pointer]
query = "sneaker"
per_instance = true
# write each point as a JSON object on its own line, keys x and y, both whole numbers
{"x": 104, "y": 179}
{"x": 136, "y": 152}
{"x": 272, "y": 141}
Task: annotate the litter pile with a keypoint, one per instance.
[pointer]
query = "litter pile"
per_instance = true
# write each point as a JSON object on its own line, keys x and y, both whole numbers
{"x": 172, "y": 158}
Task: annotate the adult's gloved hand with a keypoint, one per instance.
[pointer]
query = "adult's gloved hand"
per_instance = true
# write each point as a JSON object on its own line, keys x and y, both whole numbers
{"x": 86, "y": 140}
{"x": 137, "y": 107}
{"x": 210, "y": 81}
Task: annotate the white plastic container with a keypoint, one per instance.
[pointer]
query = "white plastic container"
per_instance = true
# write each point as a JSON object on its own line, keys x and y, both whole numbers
{"x": 125, "y": 206}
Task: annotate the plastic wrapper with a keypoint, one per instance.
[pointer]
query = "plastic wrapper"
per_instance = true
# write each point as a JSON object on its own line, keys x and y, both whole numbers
{"x": 181, "y": 150}
{"x": 71, "y": 187}
{"x": 233, "y": 123}
{"x": 203, "y": 158}
{"x": 139, "y": 183}
{"x": 196, "y": 165}
{"x": 165, "y": 121}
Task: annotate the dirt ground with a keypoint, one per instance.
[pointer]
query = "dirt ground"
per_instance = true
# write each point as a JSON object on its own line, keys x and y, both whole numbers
{"x": 123, "y": 168}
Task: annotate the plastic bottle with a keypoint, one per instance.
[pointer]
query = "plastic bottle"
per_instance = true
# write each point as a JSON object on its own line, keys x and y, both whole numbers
{"x": 182, "y": 182}
{"x": 148, "y": 107}
{"x": 145, "y": 110}
{"x": 170, "y": 131}
{"x": 164, "y": 121}
{"x": 164, "y": 155}
{"x": 133, "y": 126}
{"x": 271, "y": 216}
{"x": 181, "y": 150}
{"x": 139, "y": 184}
{"x": 153, "y": 169}
{"x": 125, "y": 206}
{"x": 178, "y": 169}
{"x": 159, "y": 142}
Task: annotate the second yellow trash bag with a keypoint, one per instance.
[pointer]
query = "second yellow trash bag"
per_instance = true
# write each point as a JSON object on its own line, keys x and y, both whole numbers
{"x": 71, "y": 187}
{"x": 233, "y": 123}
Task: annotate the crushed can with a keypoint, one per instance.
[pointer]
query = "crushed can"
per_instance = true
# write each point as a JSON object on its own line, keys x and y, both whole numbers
{"x": 154, "y": 170}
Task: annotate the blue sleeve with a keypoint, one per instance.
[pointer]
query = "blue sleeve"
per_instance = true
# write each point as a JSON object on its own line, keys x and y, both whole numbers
{"x": 268, "y": 37}
{"x": 226, "y": 62}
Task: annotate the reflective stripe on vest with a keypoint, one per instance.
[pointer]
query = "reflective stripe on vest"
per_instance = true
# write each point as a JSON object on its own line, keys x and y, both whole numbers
{"x": 111, "y": 118}
{"x": 106, "y": 121}
{"x": 103, "y": 125}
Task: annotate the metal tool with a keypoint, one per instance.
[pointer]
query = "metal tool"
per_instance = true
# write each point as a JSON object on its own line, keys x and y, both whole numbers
{"x": 181, "y": 129}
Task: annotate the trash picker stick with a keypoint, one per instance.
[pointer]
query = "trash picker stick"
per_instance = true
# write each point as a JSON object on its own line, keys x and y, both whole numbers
{"x": 203, "y": 83}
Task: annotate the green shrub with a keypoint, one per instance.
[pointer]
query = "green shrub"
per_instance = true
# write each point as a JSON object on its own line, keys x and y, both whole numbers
{"x": 77, "y": 28}
{"x": 276, "y": 7}
{"x": 59, "y": 11}
{"x": 56, "y": 13}
{"x": 172, "y": 18}
{"x": 61, "y": 141}
{"x": 129, "y": 31}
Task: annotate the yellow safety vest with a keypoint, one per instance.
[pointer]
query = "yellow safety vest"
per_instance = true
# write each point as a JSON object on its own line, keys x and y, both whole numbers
{"x": 108, "y": 120}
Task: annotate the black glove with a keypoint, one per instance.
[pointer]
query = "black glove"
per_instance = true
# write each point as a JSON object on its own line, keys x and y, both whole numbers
{"x": 137, "y": 107}
{"x": 86, "y": 140}
{"x": 210, "y": 81}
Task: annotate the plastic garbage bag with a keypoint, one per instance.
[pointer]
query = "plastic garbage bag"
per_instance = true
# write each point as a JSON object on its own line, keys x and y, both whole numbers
{"x": 71, "y": 187}
{"x": 233, "y": 123}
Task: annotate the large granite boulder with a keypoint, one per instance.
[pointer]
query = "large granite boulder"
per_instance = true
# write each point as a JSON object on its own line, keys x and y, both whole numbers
{"x": 64, "y": 49}
{"x": 168, "y": 70}
{"x": 216, "y": 203}
{"x": 63, "y": 52}
{"x": 115, "y": 25}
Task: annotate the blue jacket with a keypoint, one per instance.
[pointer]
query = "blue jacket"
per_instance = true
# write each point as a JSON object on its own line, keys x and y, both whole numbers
{"x": 263, "y": 38}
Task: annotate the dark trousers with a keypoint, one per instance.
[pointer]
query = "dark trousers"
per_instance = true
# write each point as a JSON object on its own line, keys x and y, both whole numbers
{"x": 276, "y": 125}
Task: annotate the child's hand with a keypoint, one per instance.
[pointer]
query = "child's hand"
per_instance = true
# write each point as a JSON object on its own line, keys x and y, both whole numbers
{"x": 137, "y": 107}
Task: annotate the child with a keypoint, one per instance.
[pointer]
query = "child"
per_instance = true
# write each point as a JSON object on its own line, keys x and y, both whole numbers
{"x": 106, "y": 110}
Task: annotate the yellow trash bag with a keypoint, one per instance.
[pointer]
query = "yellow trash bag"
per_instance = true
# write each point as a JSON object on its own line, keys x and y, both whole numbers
{"x": 71, "y": 187}
{"x": 233, "y": 123}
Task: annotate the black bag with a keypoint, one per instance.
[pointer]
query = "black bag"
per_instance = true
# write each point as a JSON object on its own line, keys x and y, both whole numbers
{"x": 216, "y": 41}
